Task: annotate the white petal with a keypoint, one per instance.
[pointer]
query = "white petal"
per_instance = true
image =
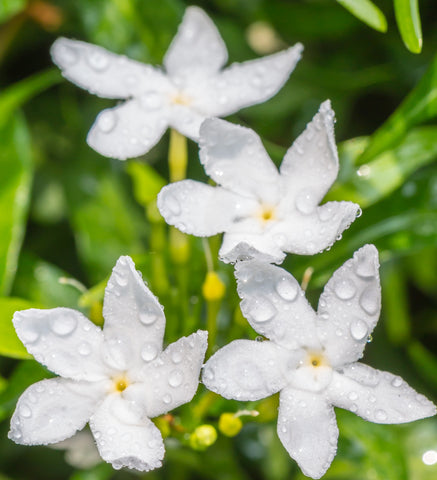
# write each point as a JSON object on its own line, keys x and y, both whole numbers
{"x": 52, "y": 410}
{"x": 308, "y": 430}
{"x": 310, "y": 166}
{"x": 186, "y": 120}
{"x": 123, "y": 438}
{"x": 244, "y": 246}
{"x": 249, "y": 370}
{"x": 200, "y": 209}
{"x": 318, "y": 229}
{"x": 64, "y": 341}
{"x": 133, "y": 317}
{"x": 349, "y": 307}
{"x": 172, "y": 379}
{"x": 248, "y": 83}
{"x": 130, "y": 129}
{"x": 275, "y": 305}
{"x": 377, "y": 396}
{"x": 104, "y": 73}
{"x": 197, "y": 47}
{"x": 234, "y": 157}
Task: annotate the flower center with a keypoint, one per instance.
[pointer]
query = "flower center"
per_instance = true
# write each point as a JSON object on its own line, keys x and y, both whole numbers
{"x": 120, "y": 383}
{"x": 316, "y": 360}
{"x": 181, "y": 99}
{"x": 266, "y": 213}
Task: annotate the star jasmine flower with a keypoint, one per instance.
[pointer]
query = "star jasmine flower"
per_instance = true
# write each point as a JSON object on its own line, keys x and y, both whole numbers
{"x": 116, "y": 378}
{"x": 191, "y": 87}
{"x": 312, "y": 358}
{"x": 259, "y": 208}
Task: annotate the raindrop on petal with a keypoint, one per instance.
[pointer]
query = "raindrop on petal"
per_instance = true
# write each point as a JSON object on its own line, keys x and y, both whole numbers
{"x": 305, "y": 202}
{"x": 98, "y": 61}
{"x": 149, "y": 352}
{"x": 176, "y": 356}
{"x": 345, "y": 289}
{"x": 167, "y": 398}
{"x": 151, "y": 101}
{"x": 64, "y": 325}
{"x": 397, "y": 382}
{"x": 25, "y": 411}
{"x": 84, "y": 349}
{"x": 147, "y": 318}
{"x": 369, "y": 300}
{"x": 173, "y": 204}
{"x": 287, "y": 289}
{"x": 107, "y": 121}
{"x": 262, "y": 310}
{"x": 175, "y": 378}
{"x": 381, "y": 415}
{"x": 359, "y": 329}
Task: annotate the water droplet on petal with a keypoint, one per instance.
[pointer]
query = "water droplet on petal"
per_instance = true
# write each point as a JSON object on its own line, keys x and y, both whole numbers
{"x": 147, "y": 318}
{"x": 64, "y": 325}
{"x": 305, "y": 202}
{"x": 67, "y": 55}
{"x": 176, "y": 356}
{"x": 352, "y": 396}
{"x": 365, "y": 266}
{"x": 262, "y": 310}
{"x": 287, "y": 289}
{"x": 173, "y": 204}
{"x": 381, "y": 415}
{"x": 175, "y": 379}
{"x": 98, "y": 60}
{"x": 208, "y": 373}
{"x": 397, "y": 382}
{"x": 151, "y": 101}
{"x": 369, "y": 300}
{"x": 149, "y": 352}
{"x": 369, "y": 339}
{"x": 25, "y": 411}
{"x": 167, "y": 398}
{"x": 345, "y": 289}
{"x": 84, "y": 349}
{"x": 359, "y": 329}
{"x": 107, "y": 121}
{"x": 29, "y": 335}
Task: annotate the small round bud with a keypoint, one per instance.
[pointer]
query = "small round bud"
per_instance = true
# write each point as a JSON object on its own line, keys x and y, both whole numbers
{"x": 229, "y": 424}
{"x": 213, "y": 289}
{"x": 203, "y": 437}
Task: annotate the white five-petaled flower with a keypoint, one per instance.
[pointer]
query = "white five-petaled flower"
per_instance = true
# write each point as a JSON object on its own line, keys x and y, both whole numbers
{"x": 115, "y": 379}
{"x": 311, "y": 359}
{"x": 256, "y": 206}
{"x": 192, "y": 87}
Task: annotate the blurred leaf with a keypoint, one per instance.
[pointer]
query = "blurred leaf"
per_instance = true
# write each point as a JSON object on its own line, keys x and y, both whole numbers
{"x": 424, "y": 361}
{"x": 408, "y": 20}
{"x": 25, "y": 374}
{"x": 147, "y": 183}
{"x": 16, "y": 95}
{"x": 103, "y": 471}
{"x": 9, "y": 8}
{"x": 16, "y": 171}
{"x": 367, "y": 12}
{"x": 419, "y": 106}
{"x": 386, "y": 172}
{"x": 10, "y": 345}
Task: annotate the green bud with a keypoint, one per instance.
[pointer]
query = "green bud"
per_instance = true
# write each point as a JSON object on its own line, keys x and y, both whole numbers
{"x": 229, "y": 424}
{"x": 203, "y": 437}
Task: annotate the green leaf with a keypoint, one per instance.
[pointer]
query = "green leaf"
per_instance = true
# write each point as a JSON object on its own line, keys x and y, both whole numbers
{"x": 367, "y": 12}
{"x": 103, "y": 471}
{"x": 419, "y": 106}
{"x": 9, "y": 8}
{"x": 408, "y": 20}
{"x": 10, "y": 345}
{"x": 16, "y": 172}
{"x": 147, "y": 182}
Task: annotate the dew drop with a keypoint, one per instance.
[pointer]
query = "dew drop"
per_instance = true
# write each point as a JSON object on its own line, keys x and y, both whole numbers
{"x": 345, "y": 289}
{"x": 25, "y": 411}
{"x": 287, "y": 289}
{"x": 107, "y": 121}
{"x": 176, "y": 356}
{"x": 359, "y": 329}
{"x": 353, "y": 396}
{"x": 208, "y": 373}
{"x": 397, "y": 382}
{"x": 305, "y": 202}
{"x": 354, "y": 408}
{"x": 369, "y": 338}
{"x": 67, "y": 55}
{"x": 325, "y": 213}
{"x": 166, "y": 398}
{"x": 173, "y": 204}
{"x": 147, "y": 318}
{"x": 84, "y": 349}
{"x": 365, "y": 266}
{"x": 381, "y": 415}
{"x": 64, "y": 325}
{"x": 175, "y": 379}
{"x": 262, "y": 310}
{"x": 151, "y": 101}
{"x": 29, "y": 335}
{"x": 369, "y": 300}
{"x": 149, "y": 352}
{"x": 98, "y": 60}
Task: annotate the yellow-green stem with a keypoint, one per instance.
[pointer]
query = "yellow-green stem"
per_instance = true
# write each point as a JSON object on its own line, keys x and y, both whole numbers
{"x": 177, "y": 156}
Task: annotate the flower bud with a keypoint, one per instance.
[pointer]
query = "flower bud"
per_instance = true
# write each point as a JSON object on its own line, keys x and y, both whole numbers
{"x": 203, "y": 437}
{"x": 229, "y": 424}
{"x": 213, "y": 289}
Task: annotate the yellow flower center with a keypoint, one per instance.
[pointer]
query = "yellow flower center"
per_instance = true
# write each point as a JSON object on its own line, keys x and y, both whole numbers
{"x": 181, "y": 99}
{"x": 120, "y": 383}
{"x": 316, "y": 359}
{"x": 266, "y": 213}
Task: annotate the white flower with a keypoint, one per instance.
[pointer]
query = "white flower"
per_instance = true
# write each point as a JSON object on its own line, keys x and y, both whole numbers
{"x": 312, "y": 358}
{"x": 255, "y": 205}
{"x": 192, "y": 87}
{"x": 115, "y": 379}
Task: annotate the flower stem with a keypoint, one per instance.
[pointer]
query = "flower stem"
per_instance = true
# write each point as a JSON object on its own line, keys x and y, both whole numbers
{"x": 177, "y": 156}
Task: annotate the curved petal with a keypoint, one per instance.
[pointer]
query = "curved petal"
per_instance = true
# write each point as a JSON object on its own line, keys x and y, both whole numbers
{"x": 245, "y": 246}
{"x": 200, "y": 209}
{"x": 310, "y": 233}
{"x": 349, "y": 307}
{"x": 133, "y": 316}
{"x": 249, "y": 370}
{"x": 234, "y": 157}
{"x": 172, "y": 379}
{"x": 248, "y": 83}
{"x": 64, "y": 341}
{"x": 130, "y": 129}
{"x": 310, "y": 166}
{"x": 123, "y": 438}
{"x": 308, "y": 430}
{"x": 52, "y": 410}
{"x": 197, "y": 47}
{"x": 104, "y": 73}
{"x": 275, "y": 305}
{"x": 186, "y": 120}
{"x": 378, "y": 397}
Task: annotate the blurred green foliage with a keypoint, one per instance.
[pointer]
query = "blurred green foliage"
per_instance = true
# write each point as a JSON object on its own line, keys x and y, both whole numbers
{"x": 66, "y": 212}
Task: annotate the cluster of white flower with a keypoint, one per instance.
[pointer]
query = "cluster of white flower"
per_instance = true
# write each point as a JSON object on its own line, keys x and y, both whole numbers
{"x": 119, "y": 378}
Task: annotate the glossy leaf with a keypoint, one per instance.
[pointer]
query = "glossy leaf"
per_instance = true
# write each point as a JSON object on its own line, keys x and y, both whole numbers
{"x": 9, "y": 8}
{"x": 367, "y": 12}
{"x": 408, "y": 20}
